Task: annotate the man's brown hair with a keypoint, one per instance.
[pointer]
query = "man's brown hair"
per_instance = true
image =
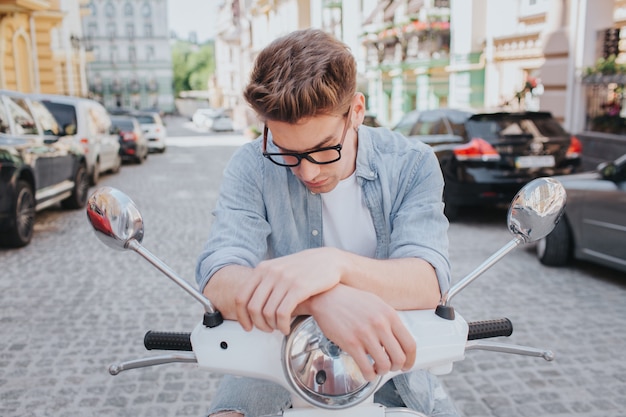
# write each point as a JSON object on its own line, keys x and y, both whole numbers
{"x": 303, "y": 74}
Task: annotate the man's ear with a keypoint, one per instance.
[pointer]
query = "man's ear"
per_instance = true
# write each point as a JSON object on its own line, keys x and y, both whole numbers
{"x": 358, "y": 106}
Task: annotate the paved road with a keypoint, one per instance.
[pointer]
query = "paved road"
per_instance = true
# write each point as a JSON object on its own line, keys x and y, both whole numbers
{"x": 70, "y": 306}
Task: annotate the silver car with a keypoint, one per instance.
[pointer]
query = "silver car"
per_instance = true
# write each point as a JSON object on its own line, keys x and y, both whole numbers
{"x": 88, "y": 123}
{"x": 594, "y": 225}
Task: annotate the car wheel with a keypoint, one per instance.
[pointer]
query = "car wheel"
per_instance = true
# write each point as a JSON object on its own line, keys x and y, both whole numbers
{"x": 95, "y": 174}
{"x": 556, "y": 248}
{"x": 23, "y": 223}
{"x": 78, "y": 199}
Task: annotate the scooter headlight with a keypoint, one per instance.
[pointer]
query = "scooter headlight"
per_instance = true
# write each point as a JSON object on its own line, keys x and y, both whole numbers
{"x": 319, "y": 371}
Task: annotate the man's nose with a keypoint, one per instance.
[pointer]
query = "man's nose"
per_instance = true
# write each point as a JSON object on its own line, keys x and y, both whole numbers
{"x": 308, "y": 170}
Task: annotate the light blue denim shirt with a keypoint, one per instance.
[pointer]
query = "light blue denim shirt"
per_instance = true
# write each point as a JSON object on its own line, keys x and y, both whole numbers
{"x": 264, "y": 211}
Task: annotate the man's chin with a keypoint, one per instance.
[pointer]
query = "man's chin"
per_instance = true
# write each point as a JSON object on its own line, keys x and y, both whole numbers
{"x": 320, "y": 188}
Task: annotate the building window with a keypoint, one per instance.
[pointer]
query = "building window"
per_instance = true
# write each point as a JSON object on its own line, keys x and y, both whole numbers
{"x": 93, "y": 8}
{"x": 132, "y": 54}
{"x": 113, "y": 54}
{"x": 109, "y": 10}
{"x": 147, "y": 30}
{"x": 128, "y": 9}
{"x": 130, "y": 31}
{"x": 92, "y": 30}
{"x": 149, "y": 53}
{"x": 111, "y": 30}
{"x": 146, "y": 11}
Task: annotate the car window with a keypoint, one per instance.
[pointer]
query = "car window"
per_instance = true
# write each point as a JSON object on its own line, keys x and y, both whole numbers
{"x": 406, "y": 123}
{"x": 46, "y": 120}
{"x": 429, "y": 124}
{"x": 457, "y": 121}
{"x": 4, "y": 118}
{"x": 549, "y": 127}
{"x": 22, "y": 117}
{"x": 491, "y": 128}
{"x": 64, "y": 113}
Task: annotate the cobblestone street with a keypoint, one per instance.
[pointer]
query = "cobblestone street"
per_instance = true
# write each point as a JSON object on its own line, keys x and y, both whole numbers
{"x": 70, "y": 306}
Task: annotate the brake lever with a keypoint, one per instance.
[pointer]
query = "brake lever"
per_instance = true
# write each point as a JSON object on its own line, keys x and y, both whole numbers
{"x": 188, "y": 357}
{"x": 508, "y": 348}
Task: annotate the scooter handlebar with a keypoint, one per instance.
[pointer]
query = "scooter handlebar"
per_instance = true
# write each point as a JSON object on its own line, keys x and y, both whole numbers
{"x": 489, "y": 328}
{"x": 167, "y": 341}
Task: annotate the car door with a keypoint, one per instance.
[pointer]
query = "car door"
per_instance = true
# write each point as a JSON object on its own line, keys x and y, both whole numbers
{"x": 59, "y": 148}
{"x": 603, "y": 219}
{"x": 24, "y": 125}
{"x": 109, "y": 143}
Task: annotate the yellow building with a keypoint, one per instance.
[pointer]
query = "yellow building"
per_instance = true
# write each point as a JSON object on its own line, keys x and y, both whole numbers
{"x": 37, "y": 51}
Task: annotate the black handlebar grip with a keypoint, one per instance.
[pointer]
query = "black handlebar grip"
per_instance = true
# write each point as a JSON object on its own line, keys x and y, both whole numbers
{"x": 489, "y": 328}
{"x": 167, "y": 341}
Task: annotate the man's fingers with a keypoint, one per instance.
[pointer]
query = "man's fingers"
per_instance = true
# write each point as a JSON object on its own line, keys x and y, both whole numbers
{"x": 365, "y": 364}
{"x": 407, "y": 344}
{"x": 257, "y": 304}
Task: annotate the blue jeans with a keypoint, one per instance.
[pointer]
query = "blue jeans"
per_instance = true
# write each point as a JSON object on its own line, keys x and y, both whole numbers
{"x": 256, "y": 398}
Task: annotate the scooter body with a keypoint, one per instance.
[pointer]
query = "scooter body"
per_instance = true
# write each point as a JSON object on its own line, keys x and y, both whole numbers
{"x": 324, "y": 380}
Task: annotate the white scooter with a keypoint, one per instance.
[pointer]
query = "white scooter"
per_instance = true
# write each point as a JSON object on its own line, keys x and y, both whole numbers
{"x": 321, "y": 378}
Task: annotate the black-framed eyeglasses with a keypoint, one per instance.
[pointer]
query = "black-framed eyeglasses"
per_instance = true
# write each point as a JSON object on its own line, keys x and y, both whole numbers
{"x": 321, "y": 156}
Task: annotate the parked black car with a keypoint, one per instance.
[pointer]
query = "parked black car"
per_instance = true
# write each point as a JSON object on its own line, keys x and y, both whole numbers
{"x": 37, "y": 167}
{"x": 593, "y": 227}
{"x": 487, "y": 157}
{"x": 133, "y": 143}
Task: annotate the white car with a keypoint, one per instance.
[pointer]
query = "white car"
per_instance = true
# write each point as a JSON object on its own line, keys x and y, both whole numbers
{"x": 153, "y": 129}
{"x": 89, "y": 124}
{"x": 205, "y": 117}
{"x": 222, "y": 123}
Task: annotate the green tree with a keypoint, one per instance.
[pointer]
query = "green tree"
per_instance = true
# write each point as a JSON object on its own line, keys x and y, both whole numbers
{"x": 193, "y": 65}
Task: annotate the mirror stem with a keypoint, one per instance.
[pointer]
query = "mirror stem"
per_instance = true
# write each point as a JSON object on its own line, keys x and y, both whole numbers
{"x": 480, "y": 269}
{"x": 147, "y": 255}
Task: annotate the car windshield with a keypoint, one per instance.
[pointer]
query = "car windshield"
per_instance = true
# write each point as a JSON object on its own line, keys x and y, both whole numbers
{"x": 64, "y": 113}
{"x": 146, "y": 119}
{"x": 494, "y": 127}
{"x": 123, "y": 124}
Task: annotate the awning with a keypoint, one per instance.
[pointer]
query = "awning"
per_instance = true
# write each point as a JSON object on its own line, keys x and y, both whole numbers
{"x": 391, "y": 10}
{"x": 414, "y": 6}
{"x": 382, "y": 5}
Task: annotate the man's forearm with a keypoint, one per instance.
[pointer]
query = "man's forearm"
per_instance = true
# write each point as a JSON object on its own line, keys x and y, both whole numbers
{"x": 223, "y": 286}
{"x": 405, "y": 284}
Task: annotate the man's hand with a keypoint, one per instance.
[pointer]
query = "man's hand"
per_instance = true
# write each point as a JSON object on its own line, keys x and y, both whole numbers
{"x": 365, "y": 327}
{"x": 276, "y": 287}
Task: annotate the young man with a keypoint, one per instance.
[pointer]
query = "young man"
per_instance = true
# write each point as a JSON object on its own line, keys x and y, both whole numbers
{"x": 325, "y": 217}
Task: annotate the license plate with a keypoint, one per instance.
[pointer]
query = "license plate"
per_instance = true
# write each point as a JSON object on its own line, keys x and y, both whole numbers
{"x": 540, "y": 161}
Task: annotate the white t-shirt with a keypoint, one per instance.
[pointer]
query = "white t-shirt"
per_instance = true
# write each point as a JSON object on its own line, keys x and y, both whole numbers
{"x": 347, "y": 222}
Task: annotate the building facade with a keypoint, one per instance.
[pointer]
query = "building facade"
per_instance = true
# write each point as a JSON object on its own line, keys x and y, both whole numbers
{"x": 41, "y": 47}
{"x": 131, "y": 66}
{"x": 422, "y": 54}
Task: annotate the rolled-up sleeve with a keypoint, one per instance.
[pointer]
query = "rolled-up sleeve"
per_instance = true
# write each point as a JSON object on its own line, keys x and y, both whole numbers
{"x": 239, "y": 231}
{"x": 418, "y": 226}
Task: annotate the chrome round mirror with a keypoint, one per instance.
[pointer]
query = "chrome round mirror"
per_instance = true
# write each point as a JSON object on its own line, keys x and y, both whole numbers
{"x": 114, "y": 217}
{"x": 536, "y": 209}
{"x": 320, "y": 372}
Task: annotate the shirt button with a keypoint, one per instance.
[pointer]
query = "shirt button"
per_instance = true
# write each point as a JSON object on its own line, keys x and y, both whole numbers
{"x": 315, "y": 232}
